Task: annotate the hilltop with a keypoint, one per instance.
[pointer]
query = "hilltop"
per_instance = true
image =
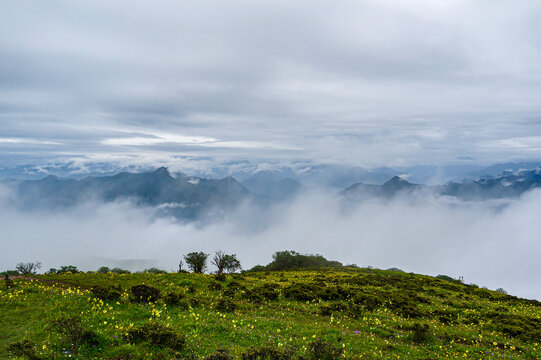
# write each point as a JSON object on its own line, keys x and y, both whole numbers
{"x": 330, "y": 313}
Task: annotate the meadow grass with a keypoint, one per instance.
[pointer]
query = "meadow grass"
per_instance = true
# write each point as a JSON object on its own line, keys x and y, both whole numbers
{"x": 309, "y": 314}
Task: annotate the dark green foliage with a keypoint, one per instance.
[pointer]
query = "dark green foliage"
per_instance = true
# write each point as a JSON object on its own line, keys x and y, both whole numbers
{"x": 8, "y": 282}
{"x": 226, "y": 305}
{"x": 158, "y": 335}
{"x": 117, "y": 270}
{"x": 172, "y": 298}
{"x": 284, "y": 260}
{"x": 110, "y": 293}
{"x": 10, "y": 273}
{"x": 267, "y": 353}
{"x": 446, "y": 316}
{"x": 73, "y": 332}
{"x": 216, "y": 286}
{"x": 420, "y": 333}
{"x": 335, "y": 308}
{"x": 225, "y": 262}
{"x": 527, "y": 329}
{"x": 369, "y": 301}
{"x": 196, "y": 261}
{"x": 302, "y": 291}
{"x": 220, "y": 277}
{"x": 322, "y": 350}
{"x": 144, "y": 293}
{"x": 448, "y": 278}
{"x": 154, "y": 270}
{"x": 67, "y": 269}
{"x": 103, "y": 270}
{"x": 23, "y": 348}
{"x": 220, "y": 354}
{"x": 266, "y": 291}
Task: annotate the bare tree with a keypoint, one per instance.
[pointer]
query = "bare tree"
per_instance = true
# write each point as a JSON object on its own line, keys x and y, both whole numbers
{"x": 219, "y": 260}
{"x": 180, "y": 265}
{"x": 29, "y": 268}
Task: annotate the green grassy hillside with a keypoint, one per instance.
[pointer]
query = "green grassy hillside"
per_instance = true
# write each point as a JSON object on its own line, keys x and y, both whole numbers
{"x": 324, "y": 314}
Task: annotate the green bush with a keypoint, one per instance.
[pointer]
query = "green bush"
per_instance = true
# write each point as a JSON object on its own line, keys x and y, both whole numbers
{"x": 226, "y": 305}
{"x": 110, "y": 293}
{"x": 117, "y": 270}
{"x": 420, "y": 333}
{"x": 220, "y": 354}
{"x": 144, "y": 293}
{"x": 284, "y": 260}
{"x": 322, "y": 350}
{"x": 154, "y": 270}
{"x": 74, "y": 334}
{"x": 158, "y": 335}
{"x": 103, "y": 270}
{"x": 172, "y": 298}
{"x": 23, "y": 348}
{"x": 267, "y": 353}
{"x": 215, "y": 286}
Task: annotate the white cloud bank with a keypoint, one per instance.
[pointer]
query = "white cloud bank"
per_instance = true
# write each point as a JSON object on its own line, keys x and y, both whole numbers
{"x": 489, "y": 245}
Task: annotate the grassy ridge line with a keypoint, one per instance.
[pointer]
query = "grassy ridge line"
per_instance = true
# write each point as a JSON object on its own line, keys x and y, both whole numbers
{"x": 365, "y": 313}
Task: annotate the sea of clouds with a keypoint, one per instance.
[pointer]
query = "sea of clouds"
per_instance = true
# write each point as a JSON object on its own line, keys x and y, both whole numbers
{"x": 492, "y": 244}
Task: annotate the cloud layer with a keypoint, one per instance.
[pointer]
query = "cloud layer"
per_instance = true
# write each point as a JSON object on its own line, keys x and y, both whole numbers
{"x": 365, "y": 82}
{"x": 486, "y": 243}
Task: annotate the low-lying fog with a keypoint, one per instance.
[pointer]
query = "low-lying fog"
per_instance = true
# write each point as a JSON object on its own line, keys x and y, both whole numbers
{"x": 486, "y": 243}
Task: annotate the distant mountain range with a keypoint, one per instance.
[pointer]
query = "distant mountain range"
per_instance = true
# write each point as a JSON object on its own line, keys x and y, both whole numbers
{"x": 181, "y": 196}
{"x": 193, "y": 198}
{"x": 508, "y": 185}
{"x": 252, "y": 175}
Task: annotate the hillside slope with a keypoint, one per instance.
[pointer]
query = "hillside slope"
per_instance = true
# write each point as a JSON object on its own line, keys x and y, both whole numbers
{"x": 313, "y": 314}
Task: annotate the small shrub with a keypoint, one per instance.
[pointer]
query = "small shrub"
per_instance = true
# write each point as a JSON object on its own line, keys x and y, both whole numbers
{"x": 302, "y": 292}
{"x": 8, "y": 282}
{"x": 144, "y": 293}
{"x": 322, "y": 350}
{"x": 220, "y": 354}
{"x": 154, "y": 270}
{"x": 74, "y": 333}
{"x": 220, "y": 277}
{"x": 420, "y": 333}
{"x": 263, "y": 292}
{"x": 156, "y": 334}
{"x": 225, "y": 305}
{"x": 369, "y": 301}
{"x": 267, "y": 353}
{"x": 67, "y": 269}
{"x": 103, "y": 270}
{"x": 117, "y": 270}
{"x": 10, "y": 273}
{"x": 23, "y": 348}
{"x": 215, "y": 286}
{"x": 103, "y": 293}
{"x": 172, "y": 298}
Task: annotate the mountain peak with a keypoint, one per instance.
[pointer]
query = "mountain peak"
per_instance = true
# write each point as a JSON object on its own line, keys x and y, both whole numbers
{"x": 162, "y": 172}
{"x": 397, "y": 180}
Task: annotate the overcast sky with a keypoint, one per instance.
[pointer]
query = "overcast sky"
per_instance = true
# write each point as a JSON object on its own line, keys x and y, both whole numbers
{"x": 369, "y": 83}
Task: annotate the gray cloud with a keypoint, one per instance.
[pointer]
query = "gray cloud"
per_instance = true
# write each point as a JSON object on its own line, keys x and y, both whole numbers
{"x": 365, "y": 82}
